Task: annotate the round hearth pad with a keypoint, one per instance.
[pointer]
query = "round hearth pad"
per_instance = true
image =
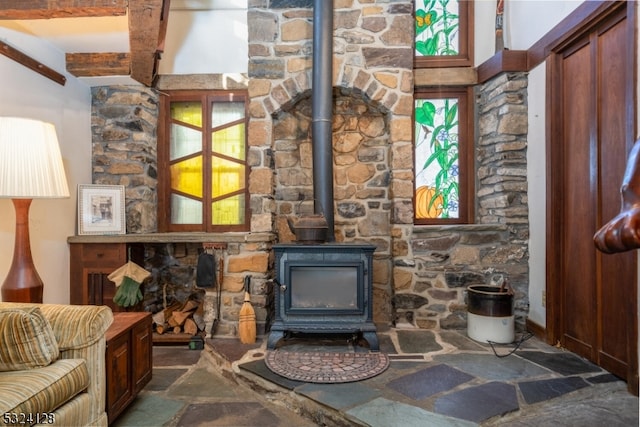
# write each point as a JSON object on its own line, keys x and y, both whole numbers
{"x": 326, "y": 367}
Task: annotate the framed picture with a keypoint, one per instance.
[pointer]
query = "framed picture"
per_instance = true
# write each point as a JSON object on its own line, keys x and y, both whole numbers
{"x": 443, "y": 33}
{"x": 101, "y": 209}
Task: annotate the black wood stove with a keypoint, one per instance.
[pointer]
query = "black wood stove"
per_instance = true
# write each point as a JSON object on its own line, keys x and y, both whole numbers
{"x": 323, "y": 288}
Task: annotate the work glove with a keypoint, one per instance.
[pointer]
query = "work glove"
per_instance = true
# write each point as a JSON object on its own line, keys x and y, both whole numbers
{"x": 128, "y": 293}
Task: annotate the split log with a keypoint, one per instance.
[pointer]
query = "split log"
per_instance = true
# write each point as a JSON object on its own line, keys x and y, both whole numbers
{"x": 190, "y": 327}
{"x": 185, "y": 317}
{"x": 178, "y": 318}
{"x": 190, "y": 305}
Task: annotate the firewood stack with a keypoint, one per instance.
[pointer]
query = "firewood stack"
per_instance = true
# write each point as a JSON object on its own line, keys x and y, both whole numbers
{"x": 180, "y": 318}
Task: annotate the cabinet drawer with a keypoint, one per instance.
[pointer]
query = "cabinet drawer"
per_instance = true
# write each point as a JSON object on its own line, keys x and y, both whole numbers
{"x": 112, "y": 254}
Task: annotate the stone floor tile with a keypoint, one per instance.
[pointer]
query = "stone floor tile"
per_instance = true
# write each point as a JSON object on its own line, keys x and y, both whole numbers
{"x": 162, "y": 378}
{"x": 563, "y": 363}
{"x": 259, "y": 368}
{"x": 386, "y": 344}
{"x": 382, "y": 412}
{"x": 148, "y": 410}
{"x": 417, "y": 341}
{"x": 200, "y": 383}
{"x": 537, "y": 391}
{"x": 606, "y": 404}
{"x": 603, "y": 378}
{"x": 429, "y": 381}
{"x": 460, "y": 341}
{"x": 339, "y": 396}
{"x": 237, "y": 414}
{"x": 175, "y": 356}
{"x": 491, "y": 367}
{"x": 231, "y": 349}
{"x": 479, "y": 403}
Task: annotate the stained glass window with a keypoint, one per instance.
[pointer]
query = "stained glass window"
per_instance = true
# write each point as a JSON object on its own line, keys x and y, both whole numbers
{"x": 443, "y": 33}
{"x": 437, "y": 27}
{"x": 206, "y": 156}
{"x": 442, "y": 157}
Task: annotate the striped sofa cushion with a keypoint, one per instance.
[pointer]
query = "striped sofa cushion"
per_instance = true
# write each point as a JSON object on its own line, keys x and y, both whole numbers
{"x": 42, "y": 389}
{"x": 27, "y": 339}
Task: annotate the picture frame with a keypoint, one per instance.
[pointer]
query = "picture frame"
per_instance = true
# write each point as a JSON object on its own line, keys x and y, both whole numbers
{"x": 101, "y": 209}
{"x": 465, "y": 31}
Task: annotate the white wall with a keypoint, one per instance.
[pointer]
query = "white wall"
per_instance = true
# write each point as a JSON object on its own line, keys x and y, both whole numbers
{"x": 206, "y": 37}
{"x": 524, "y": 27}
{"x": 25, "y": 93}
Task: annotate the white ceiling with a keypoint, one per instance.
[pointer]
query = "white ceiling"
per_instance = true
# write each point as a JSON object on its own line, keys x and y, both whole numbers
{"x": 82, "y": 35}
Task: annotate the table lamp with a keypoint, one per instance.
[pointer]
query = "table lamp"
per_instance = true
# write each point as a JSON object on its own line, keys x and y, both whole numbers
{"x": 30, "y": 168}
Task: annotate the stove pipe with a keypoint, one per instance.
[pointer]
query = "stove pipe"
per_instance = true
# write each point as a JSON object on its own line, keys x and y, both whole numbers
{"x": 322, "y": 111}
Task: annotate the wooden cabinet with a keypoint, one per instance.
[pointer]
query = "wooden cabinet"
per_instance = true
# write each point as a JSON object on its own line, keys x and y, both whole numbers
{"x": 128, "y": 359}
{"x": 90, "y": 266}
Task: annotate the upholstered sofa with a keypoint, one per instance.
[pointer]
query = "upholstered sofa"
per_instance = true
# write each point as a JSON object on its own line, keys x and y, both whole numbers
{"x": 52, "y": 364}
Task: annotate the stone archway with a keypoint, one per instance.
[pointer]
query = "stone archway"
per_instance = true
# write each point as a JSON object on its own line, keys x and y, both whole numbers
{"x": 362, "y": 174}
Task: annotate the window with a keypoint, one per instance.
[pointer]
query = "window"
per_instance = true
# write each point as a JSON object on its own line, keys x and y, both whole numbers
{"x": 443, "y": 33}
{"x": 202, "y": 151}
{"x": 443, "y": 156}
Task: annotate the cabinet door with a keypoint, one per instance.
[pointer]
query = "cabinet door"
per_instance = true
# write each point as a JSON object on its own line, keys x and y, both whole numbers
{"x": 119, "y": 391}
{"x": 142, "y": 343}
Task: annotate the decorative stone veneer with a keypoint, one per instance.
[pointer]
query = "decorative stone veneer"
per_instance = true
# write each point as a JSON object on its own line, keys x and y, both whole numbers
{"x": 124, "y": 129}
{"x": 433, "y": 269}
{"x": 124, "y": 122}
{"x": 420, "y": 273}
{"x": 372, "y": 128}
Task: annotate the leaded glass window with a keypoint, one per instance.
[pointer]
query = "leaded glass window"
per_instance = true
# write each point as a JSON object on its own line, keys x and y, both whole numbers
{"x": 205, "y": 147}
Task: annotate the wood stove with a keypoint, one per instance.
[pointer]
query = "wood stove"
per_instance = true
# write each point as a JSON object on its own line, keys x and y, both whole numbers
{"x": 323, "y": 288}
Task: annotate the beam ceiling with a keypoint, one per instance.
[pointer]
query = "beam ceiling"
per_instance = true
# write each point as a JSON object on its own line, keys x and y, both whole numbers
{"x": 147, "y": 29}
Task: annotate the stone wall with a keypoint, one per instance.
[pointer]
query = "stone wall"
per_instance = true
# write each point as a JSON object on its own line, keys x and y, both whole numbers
{"x": 124, "y": 122}
{"x": 433, "y": 269}
{"x": 372, "y": 78}
{"x": 420, "y": 273}
{"x": 124, "y": 137}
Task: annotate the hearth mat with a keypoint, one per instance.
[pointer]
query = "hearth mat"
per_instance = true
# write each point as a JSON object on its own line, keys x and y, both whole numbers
{"x": 326, "y": 367}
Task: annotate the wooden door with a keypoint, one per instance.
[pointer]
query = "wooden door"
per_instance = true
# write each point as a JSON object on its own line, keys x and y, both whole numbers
{"x": 593, "y": 305}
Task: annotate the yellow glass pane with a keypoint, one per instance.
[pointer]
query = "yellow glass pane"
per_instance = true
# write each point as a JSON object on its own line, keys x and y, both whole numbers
{"x": 186, "y": 176}
{"x": 229, "y": 211}
{"x": 184, "y": 141}
{"x": 226, "y": 177}
{"x": 187, "y": 112}
{"x": 229, "y": 141}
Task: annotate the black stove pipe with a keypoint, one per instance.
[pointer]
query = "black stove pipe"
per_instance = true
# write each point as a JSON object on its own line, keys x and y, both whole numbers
{"x": 322, "y": 111}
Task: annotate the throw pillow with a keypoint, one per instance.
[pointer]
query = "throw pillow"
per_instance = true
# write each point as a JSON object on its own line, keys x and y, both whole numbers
{"x": 26, "y": 339}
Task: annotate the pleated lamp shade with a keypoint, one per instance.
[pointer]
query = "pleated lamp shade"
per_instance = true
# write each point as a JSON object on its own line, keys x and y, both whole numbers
{"x": 30, "y": 161}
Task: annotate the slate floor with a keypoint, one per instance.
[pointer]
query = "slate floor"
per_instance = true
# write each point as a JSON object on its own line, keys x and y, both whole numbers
{"x": 434, "y": 379}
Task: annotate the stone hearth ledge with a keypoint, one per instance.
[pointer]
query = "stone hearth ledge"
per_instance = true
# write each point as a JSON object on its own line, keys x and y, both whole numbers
{"x": 188, "y": 237}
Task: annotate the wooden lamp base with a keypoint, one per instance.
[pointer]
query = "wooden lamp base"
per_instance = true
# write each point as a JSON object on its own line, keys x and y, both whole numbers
{"x": 23, "y": 284}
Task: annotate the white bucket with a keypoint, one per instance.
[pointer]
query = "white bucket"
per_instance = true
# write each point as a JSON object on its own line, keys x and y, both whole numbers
{"x": 495, "y": 329}
{"x": 490, "y": 314}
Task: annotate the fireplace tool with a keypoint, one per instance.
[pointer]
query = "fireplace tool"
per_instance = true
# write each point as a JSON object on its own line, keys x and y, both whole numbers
{"x": 247, "y": 317}
{"x": 206, "y": 274}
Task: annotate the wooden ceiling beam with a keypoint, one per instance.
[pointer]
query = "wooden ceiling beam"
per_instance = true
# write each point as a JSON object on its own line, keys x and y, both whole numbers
{"x": 29, "y": 62}
{"x": 98, "y": 64}
{"x": 47, "y": 9}
{"x": 146, "y": 27}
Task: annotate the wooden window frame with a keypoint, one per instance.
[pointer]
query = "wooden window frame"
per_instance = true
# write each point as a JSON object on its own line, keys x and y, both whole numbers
{"x": 465, "y": 55}
{"x": 164, "y": 176}
{"x": 466, "y": 162}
